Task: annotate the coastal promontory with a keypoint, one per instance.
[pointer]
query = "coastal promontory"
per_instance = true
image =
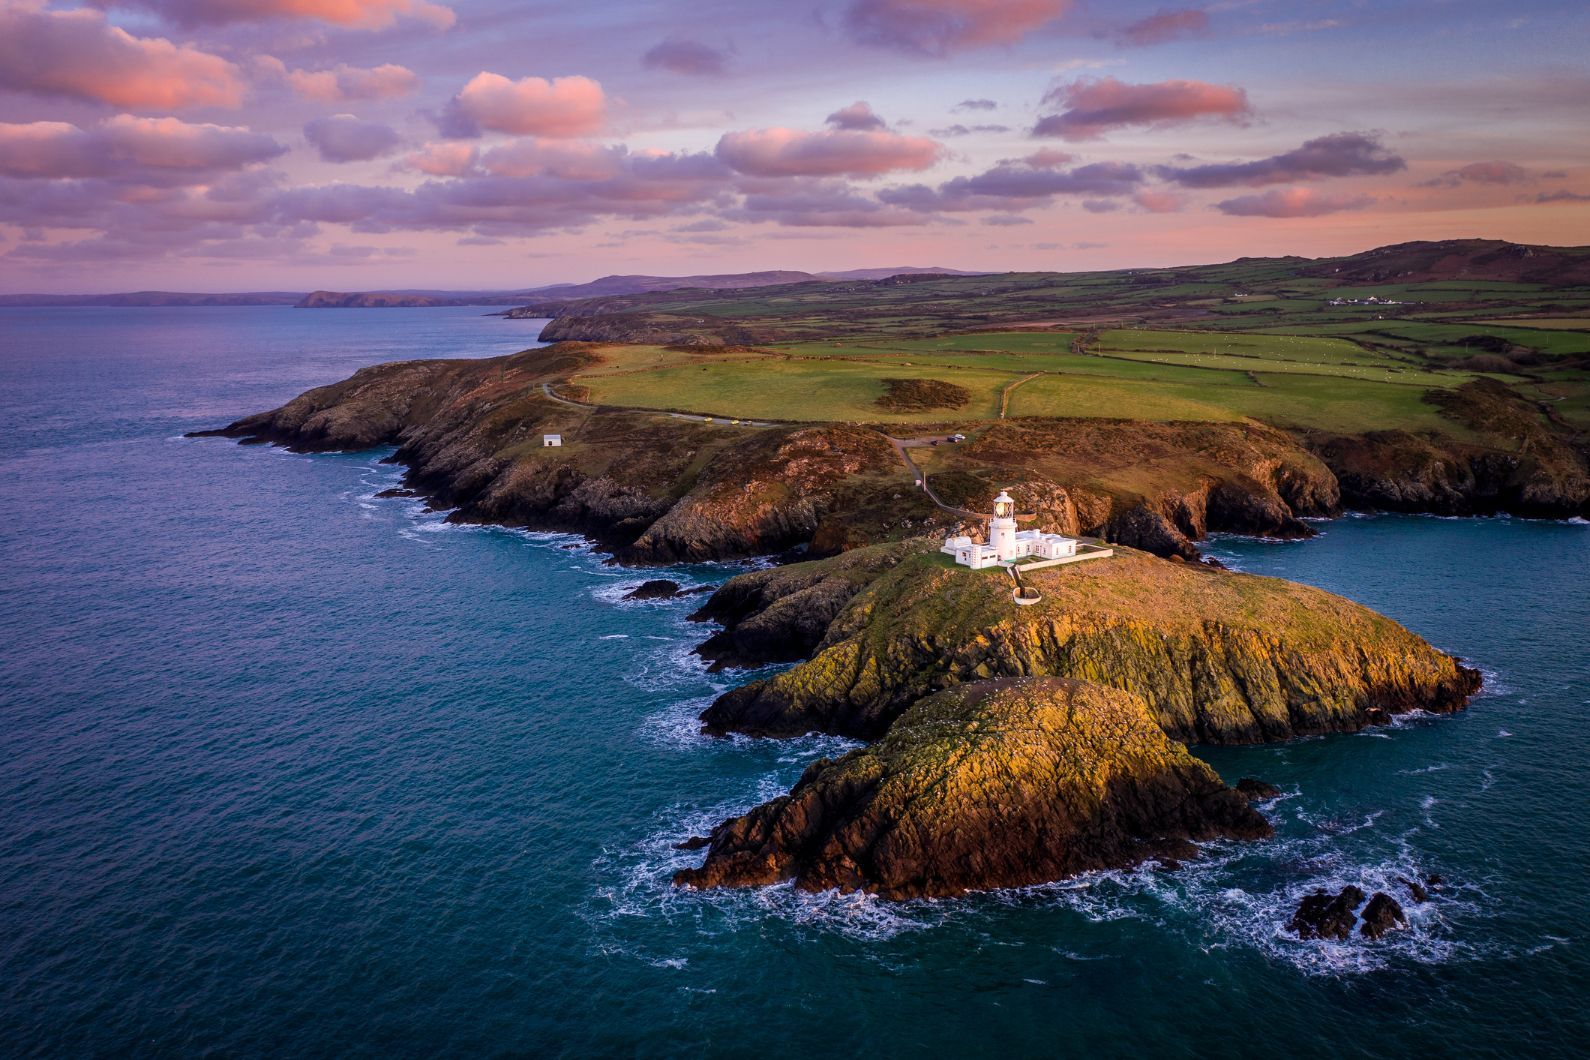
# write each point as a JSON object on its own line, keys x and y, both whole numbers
{"x": 988, "y": 784}
{"x": 1217, "y": 656}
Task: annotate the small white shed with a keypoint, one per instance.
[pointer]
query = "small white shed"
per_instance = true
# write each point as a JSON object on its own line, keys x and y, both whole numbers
{"x": 551, "y": 441}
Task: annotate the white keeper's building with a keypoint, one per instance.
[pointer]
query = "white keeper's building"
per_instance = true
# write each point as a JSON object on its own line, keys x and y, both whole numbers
{"x": 1006, "y": 543}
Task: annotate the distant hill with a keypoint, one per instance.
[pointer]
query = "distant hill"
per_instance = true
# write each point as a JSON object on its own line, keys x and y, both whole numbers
{"x": 1458, "y": 259}
{"x": 884, "y": 274}
{"x": 152, "y": 298}
{"x": 606, "y": 286}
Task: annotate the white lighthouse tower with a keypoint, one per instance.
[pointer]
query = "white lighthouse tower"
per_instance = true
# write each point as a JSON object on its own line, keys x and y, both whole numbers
{"x": 1002, "y": 528}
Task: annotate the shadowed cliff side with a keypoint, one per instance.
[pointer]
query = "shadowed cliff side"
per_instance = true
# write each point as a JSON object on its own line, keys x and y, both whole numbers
{"x": 991, "y": 784}
{"x": 1219, "y": 657}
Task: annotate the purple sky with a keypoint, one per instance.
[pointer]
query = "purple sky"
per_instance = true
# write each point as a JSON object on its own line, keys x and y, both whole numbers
{"x": 357, "y": 144}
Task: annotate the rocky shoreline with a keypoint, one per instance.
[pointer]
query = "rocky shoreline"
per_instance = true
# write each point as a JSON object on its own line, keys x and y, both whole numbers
{"x": 1011, "y": 746}
{"x": 1006, "y": 746}
{"x": 654, "y": 489}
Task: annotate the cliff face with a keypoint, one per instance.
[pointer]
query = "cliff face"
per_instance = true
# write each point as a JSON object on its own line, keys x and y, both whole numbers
{"x": 1218, "y": 657}
{"x": 652, "y": 488}
{"x": 1154, "y": 486}
{"x": 1520, "y": 462}
{"x": 991, "y": 784}
{"x": 782, "y": 614}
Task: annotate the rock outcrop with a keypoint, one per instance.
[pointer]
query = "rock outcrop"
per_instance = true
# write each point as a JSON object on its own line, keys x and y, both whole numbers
{"x": 781, "y": 614}
{"x": 989, "y": 784}
{"x": 1219, "y": 657}
{"x": 1382, "y": 916}
{"x": 1322, "y": 915}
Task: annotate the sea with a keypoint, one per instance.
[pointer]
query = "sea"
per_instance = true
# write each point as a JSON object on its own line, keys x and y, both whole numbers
{"x": 289, "y": 769}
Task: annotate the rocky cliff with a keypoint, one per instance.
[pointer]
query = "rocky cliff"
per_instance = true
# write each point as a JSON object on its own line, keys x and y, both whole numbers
{"x": 1512, "y": 458}
{"x": 1155, "y": 486}
{"x": 989, "y": 784}
{"x": 650, "y": 487}
{"x": 1219, "y": 657}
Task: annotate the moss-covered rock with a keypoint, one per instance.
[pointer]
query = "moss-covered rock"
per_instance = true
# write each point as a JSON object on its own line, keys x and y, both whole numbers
{"x": 1219, "y": 657}
{"x": 990, "y": 784}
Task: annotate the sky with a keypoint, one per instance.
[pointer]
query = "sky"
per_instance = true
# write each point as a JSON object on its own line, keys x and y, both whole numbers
{"x": 232, "y": 145}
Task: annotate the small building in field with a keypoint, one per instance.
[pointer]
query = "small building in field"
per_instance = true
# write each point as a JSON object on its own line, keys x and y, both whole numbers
{"x": 551, "y": 441}
{"x": 1005, "y": 543}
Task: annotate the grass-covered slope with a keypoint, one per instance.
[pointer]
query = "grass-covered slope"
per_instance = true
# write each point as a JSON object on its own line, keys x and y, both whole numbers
{"x": 1219, "y": 657}
{"x": 992, "y": 784}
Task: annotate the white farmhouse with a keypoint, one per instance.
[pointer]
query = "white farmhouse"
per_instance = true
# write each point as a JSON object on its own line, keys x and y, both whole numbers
{"x": 1005, "y": 543}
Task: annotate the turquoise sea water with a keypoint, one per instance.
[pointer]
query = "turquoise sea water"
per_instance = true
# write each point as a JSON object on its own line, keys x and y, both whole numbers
{"x": 289, "y": 770}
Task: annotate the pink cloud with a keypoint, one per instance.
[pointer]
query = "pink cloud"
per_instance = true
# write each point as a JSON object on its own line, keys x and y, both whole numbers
{"x": 530, "y": 106}
{"x": 1165, "y": 26}
{"x": 937, "y": 27}
{"x": 1096, "y": 107}
{"x": 1156, "y": 200}
{"x": 356, "y": 14}
{"x": 347, "y": 83}
{"x": 1291, "y": 202}
{"x": 831, "y": 153}
{"x": 444, "y": 160}
{"x": 130, "y": 150}
{"x": 79, "y": 55}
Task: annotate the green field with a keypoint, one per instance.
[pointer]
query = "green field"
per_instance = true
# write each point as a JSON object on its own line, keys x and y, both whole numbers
{"x": 1288, "y": 381}
{"x": 1247, "y": 339}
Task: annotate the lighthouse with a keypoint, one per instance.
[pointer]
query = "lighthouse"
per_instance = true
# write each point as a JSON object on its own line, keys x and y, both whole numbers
{"x": 1002, "y": 528}
{"x": 1005, "y": 544}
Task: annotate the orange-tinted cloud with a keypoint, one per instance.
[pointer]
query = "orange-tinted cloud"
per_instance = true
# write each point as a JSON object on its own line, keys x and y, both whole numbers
{"x": 79, "y": 55}
{"x": 530, "y": 106}
{"x": 353, "y": 83}
{"x": 356, "y": 14}
{"x": 1291, "y": 202}
{"x": 1097, "y": 107}
{"x": 444, "y": 160}
{"x": 937, "y": 27}
{"x": 831, "y": 153}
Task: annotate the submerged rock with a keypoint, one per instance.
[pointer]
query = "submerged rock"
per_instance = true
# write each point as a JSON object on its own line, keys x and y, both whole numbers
{"x": 1219, "y": 657}
{"x": 1322, "y": 915}
{"x": 992, "y": 784}
{"x": 655, "y": 589}
{"x": 1382, "y": 915}
{"x": 1258, "y": 790}
{"x": 1415, "y": 889}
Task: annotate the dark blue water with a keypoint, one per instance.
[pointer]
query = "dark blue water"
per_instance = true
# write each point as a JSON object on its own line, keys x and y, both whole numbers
{"x": 287, "y": 769}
